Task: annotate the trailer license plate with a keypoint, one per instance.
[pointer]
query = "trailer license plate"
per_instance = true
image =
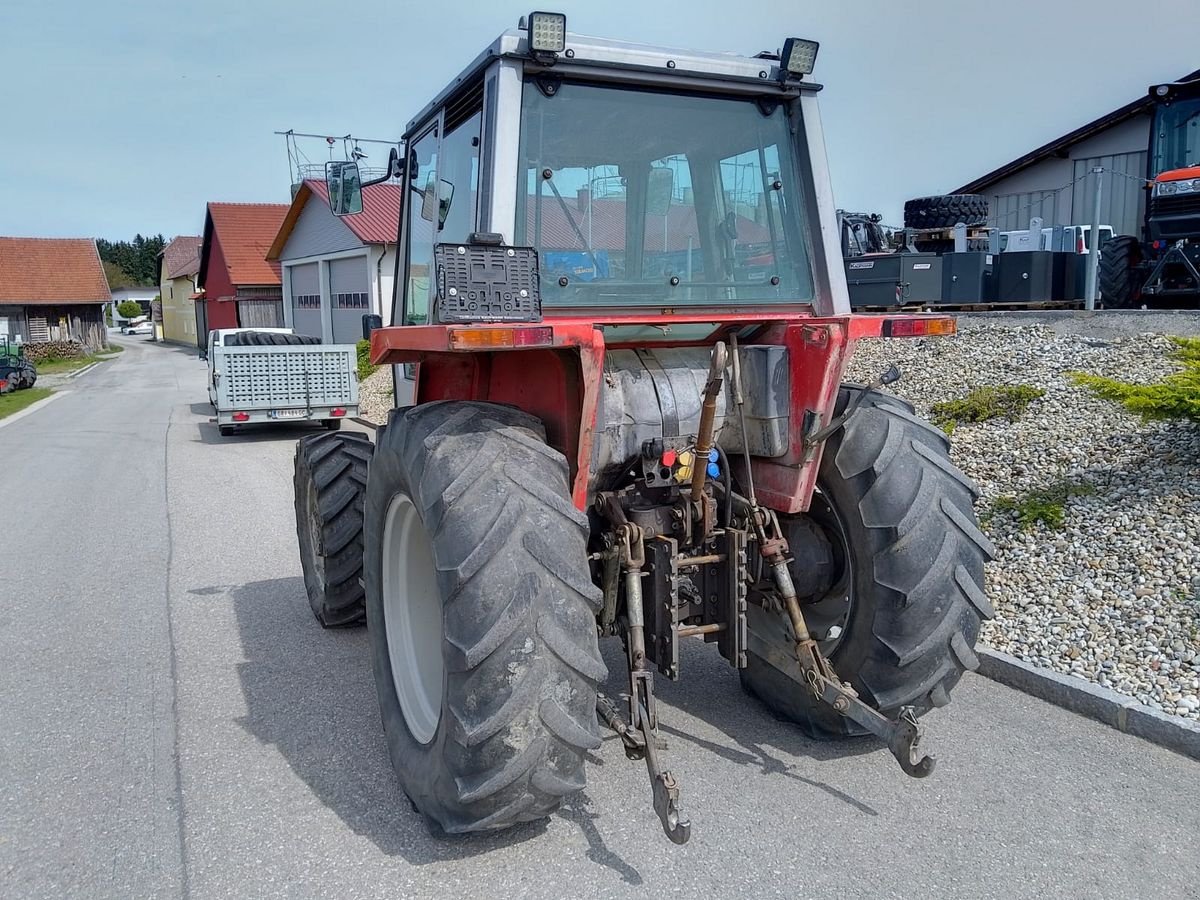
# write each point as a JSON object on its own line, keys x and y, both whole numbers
{"x": 290, "y": 413}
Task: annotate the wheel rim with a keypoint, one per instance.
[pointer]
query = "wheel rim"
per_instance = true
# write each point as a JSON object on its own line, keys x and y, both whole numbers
{"x": 412, "y": 618}
{"x": 312, "y": 514}
{"x": 833, "y": 608}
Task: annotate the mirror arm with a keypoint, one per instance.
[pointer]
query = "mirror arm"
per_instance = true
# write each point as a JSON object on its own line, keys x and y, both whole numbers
{"x": 395, "y": 169}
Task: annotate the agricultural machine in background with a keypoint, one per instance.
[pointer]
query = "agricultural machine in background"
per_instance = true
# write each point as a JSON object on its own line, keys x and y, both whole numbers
{"x": 1162, "y": 264}
{"x": 16, "y": 369}
{"x": 620, "y": 284}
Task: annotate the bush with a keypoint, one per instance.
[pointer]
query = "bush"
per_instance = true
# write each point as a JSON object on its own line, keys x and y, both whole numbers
{"x": 1046, "y": 505}
{"x": 1175, "y": 397}
{"x": 365, "y": 369}
{"x": 991, "y": 402}
{"x": 129, "y": 309}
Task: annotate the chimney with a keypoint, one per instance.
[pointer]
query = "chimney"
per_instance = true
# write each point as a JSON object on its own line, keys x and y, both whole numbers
{"x": 583, "y": 197}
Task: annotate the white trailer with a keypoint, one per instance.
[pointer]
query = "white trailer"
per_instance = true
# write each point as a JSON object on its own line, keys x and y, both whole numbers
{"x": 274, "y": 382}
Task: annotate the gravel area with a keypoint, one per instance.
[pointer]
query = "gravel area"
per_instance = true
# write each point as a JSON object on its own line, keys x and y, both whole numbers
{"x": 375, "y": 396}
{"x": 1113, "y": 595}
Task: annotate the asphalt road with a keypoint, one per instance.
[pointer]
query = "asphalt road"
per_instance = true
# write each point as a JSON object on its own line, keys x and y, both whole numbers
{"x": 173, "y": 722}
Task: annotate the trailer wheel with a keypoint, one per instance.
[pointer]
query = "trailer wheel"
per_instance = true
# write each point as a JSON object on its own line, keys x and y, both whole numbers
{"x": 946, "y": 211}
{"x": 481, "y": 615}
{"x": 332, "y": 424}
{"x": 1119, "y": 270}
{"x": 907, "y": 588}
{"x": 226, "y": 430}
{"x": 330, "y": 481}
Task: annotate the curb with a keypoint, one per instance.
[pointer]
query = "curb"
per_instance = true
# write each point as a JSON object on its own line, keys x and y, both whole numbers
{"x": 1118, "y": 711}
{"x": 31, "y": 408}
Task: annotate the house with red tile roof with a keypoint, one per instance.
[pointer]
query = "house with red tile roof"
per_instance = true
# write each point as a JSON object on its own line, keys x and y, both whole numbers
{"x": 178, "y": 273}
{"x": 237, "y": 286}
{"x": 336, "y": 270}
{"x": 52, "y": 289}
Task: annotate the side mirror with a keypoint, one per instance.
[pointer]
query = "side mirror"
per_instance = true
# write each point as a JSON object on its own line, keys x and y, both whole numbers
{"x": 436, "y": 198}
{"x": 344, "y": 185}
{"x": 659, "y": 188}
{"x": 369, "y": 323}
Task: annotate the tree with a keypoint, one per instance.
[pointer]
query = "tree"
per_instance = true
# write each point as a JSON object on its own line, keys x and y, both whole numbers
{"x": 129, "y": 309}
{"x": 136, "y": 259}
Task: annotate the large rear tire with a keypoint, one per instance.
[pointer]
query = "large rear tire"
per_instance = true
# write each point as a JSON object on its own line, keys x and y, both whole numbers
{"x": 1119, "y": 273}
{"x": 330, "y": 483}
{"x": 481, "y": 615}
{"x": 911, "y": 557}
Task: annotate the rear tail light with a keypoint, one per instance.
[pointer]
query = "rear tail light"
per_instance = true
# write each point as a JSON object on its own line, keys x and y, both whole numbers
{"x": 337, "y": 412}
{"x": 1079, "y": 246}
{"x": 485, "y": 338}
{"x": 241, "y": 417}
{"x": 934, "y": 325}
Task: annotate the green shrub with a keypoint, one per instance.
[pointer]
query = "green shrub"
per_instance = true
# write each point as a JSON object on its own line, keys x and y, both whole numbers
{"x": 365, "y": 369}
{"x": 129, "y": 309}
{"x": 1175, "y": 397}
{"x": 991, "y": 402}
{"x": 1047, "y": 505}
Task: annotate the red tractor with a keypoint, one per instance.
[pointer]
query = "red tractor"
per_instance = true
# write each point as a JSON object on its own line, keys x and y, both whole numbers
{"x": 1162, "y": 265}
{"x": 621, "y": 322}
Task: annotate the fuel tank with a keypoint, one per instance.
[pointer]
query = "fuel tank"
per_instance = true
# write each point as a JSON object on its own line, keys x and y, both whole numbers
{"x": 650, "y": 393}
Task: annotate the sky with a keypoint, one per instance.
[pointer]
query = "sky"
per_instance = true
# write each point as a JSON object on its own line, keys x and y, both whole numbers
{"x": 125, "y": 116}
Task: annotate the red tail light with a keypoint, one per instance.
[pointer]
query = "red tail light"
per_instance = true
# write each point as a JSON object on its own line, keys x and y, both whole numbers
{"x": 1080, "y": 245}
{"x": 337, "y": 412}
{"x": 241, "y": 417}
{"x": 919, "y": 327}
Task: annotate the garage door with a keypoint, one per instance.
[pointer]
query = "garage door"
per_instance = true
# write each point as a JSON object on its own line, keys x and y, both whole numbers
{"x": 350, "y": 297}
{"x": 306, "y": 299}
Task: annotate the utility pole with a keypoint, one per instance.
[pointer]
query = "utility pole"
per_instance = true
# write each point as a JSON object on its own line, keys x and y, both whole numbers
{"x": 1093, "y": 262}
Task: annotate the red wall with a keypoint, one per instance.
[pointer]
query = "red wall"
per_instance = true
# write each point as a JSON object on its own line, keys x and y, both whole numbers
{"x": 221, "y": 313}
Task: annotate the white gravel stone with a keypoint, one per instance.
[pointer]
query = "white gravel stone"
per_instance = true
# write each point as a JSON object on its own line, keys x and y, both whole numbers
{"x": 1114, "y": 596}
{"x": 375, "y": 396}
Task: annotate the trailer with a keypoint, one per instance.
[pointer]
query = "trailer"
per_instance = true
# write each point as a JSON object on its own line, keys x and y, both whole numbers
{"x": 272, "y": 376}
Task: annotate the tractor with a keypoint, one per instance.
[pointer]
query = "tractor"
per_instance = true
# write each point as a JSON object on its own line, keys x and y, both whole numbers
{"x": 621, "y": 323}
{"x": 1162, "y": 265}
{"x": 16, "y": 369}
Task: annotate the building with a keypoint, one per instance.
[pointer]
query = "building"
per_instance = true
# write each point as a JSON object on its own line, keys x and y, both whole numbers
{"x": 1053, "y": 181}
{"x": 238, "y": 288}
{"x": 52, "y": 289}
{"x": 336, "y": 270}
{"x": 142, "y": 296}
{"x": 178, "y": 271}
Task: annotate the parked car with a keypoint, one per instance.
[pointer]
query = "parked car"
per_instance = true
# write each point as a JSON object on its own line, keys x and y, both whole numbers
{"x": 140, "y": 328}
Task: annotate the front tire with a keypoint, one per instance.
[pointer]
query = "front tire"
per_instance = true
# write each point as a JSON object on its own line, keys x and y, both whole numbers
{"x": 1119, "y": 271}
{"x": 481, "y": 615}
{"x": 330, "y": 483}
{"x": 911, "y": 557}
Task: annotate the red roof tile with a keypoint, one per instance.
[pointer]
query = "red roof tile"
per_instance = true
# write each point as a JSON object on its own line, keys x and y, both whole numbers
{"x": 182, "y": 256}
{"x": 51, "y": 270}
{"x": 245, "y": 231}
{"x": 376, "y": 224}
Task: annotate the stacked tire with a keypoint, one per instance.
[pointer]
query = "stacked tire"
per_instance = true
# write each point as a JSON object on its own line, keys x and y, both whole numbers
{"x": 946, "y": 211}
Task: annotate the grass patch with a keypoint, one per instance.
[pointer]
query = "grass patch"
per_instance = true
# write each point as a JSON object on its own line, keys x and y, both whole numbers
{"x": 1175, "y": 397}
{"x": 1046, "y": 505}
{"x": 59, "y": 366}
{"x": 991, "y": 402}
{"x": 110, "y": 350}
{"x": 18, "y": 400}
{"x": 365, "y": 369}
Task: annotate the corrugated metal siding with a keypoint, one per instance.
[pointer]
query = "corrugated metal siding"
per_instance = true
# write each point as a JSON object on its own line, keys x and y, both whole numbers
{"x": 318, "y": 231}
{"x": 348, "y": 276}
{"x": 1012, "y": 212}
{"x": 1122, "y": 199}
{"x": 305, "y": 281}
